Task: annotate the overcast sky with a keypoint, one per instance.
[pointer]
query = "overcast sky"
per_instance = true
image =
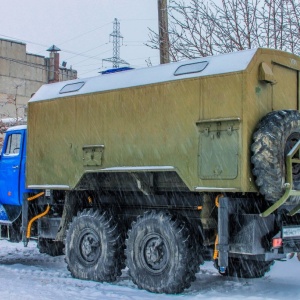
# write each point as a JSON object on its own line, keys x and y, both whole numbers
{"x": 81, "y": 29}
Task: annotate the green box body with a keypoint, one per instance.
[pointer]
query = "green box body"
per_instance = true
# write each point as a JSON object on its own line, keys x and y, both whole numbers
{"x": 192, "y": 131}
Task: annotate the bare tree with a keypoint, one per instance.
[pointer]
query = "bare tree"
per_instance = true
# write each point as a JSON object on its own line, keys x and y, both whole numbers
{"x": 201, "y": 28}
{"x": 281, "y": 24}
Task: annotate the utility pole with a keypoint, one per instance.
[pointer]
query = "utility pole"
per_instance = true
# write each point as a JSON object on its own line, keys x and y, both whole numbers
{"x": 163, "y": 31}
{"x": 116, "y": 35}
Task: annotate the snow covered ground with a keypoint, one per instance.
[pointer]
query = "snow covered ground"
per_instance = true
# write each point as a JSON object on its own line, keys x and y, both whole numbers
{"x": 27, "y": 274}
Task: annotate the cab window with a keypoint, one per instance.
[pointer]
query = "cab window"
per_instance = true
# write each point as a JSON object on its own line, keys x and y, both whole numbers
{"x": 13, "y": 144}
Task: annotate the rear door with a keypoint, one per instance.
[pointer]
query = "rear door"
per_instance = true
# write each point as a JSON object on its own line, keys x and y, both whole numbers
{"x": 286, "y": 90}
{"x": 10, "y": 168}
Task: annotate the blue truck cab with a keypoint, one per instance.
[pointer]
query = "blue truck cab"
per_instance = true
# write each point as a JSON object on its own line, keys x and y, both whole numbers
{"x": 14, "y": 198}
{"x": 12, "y": 174}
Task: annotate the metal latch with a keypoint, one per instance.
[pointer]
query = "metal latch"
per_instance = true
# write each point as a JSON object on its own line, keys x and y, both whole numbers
{"x": 92, "y": 155}
{"x": 229, "y": 130}
{"x": 206, "y": 131}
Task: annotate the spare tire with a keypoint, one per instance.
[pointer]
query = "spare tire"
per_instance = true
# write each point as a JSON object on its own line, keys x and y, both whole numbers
{"x": 275, "y": 136}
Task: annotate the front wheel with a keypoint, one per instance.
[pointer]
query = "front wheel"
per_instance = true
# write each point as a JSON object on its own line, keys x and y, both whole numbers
{"x": 161, "y": 253}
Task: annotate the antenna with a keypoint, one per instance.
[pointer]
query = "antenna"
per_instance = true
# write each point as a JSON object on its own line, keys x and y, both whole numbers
{"x": 116, "y": 35}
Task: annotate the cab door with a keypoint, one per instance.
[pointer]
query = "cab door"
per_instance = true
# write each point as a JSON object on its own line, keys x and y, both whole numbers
{"x": 10, "y": 168}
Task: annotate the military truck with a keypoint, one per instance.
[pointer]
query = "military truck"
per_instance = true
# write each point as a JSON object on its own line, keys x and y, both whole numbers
{"x": 161, "y": 169}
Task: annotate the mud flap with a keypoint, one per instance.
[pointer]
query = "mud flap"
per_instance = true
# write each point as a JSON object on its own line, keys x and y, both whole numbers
{"x": 223, "y": 233}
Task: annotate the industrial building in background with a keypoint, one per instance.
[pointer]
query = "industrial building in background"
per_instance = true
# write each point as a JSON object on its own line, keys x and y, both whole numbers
{"x": 21, "y": 75}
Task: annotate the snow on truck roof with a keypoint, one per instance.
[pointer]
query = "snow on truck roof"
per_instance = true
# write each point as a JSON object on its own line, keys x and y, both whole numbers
{"x": 17, "y": 127}
{"x": 205, "y": 66}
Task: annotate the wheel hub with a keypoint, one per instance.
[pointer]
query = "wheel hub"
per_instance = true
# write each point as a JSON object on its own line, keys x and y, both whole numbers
{"x": 290, "y": 143}
{"x": 155, "y": 253}
{"x": 89, "y": 247}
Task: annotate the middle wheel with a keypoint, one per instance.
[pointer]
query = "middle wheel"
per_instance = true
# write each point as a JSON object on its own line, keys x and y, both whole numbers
{"x": 160, "y": 253}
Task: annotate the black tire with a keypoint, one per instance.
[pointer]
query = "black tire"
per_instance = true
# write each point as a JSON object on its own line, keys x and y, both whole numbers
{"x": 94, "y": 247}
{"x": 275, "y": 136}
{"x": 161, "y": 253}
{"x": 243, "y": 268}
{"x": 50, "y": 247}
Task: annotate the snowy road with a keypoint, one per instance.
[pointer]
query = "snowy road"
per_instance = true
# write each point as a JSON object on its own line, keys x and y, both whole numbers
{"x": 27, "y": 274}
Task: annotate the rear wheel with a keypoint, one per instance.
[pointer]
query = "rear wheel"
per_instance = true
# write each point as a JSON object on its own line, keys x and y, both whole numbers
{"x": 161, "y": 253}
{"x": 276, "y": 135}
{"x": 94, "y": 247}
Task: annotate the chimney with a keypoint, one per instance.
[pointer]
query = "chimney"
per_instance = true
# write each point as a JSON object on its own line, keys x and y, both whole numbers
{"x": 53, "y": 73}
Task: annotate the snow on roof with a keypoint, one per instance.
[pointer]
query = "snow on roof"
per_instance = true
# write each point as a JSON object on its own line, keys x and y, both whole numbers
{"x": 18, "y": 127}
{"x": 219, "y": 64}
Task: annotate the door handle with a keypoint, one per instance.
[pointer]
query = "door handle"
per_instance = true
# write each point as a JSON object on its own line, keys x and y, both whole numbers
{"x": 15, "y": 167}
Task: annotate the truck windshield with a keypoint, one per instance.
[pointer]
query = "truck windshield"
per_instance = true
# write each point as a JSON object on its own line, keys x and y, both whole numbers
{"x": 13, "y": 144}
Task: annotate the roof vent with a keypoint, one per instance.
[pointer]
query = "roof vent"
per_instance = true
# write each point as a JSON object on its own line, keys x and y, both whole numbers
{"x": 191, "y": 68}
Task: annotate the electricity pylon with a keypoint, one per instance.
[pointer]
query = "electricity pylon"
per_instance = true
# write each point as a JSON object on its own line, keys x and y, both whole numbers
{"x": 116, "y": 35}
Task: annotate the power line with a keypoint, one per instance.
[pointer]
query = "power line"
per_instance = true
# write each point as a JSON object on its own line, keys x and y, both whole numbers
{"x": 126, "y": 20}
{"x": 64, "y": 42}
{"x": 23, "y": 41}
{"x": 76, "y": 37}
{"x": 94, "y": 57}
{"x": 21, "y": 62}
{"x": 42, "y": 45}
{"x": 81, "y": 53}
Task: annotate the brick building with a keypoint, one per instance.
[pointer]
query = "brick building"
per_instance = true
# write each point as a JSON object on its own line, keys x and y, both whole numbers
{"x": 21, "y": 75}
